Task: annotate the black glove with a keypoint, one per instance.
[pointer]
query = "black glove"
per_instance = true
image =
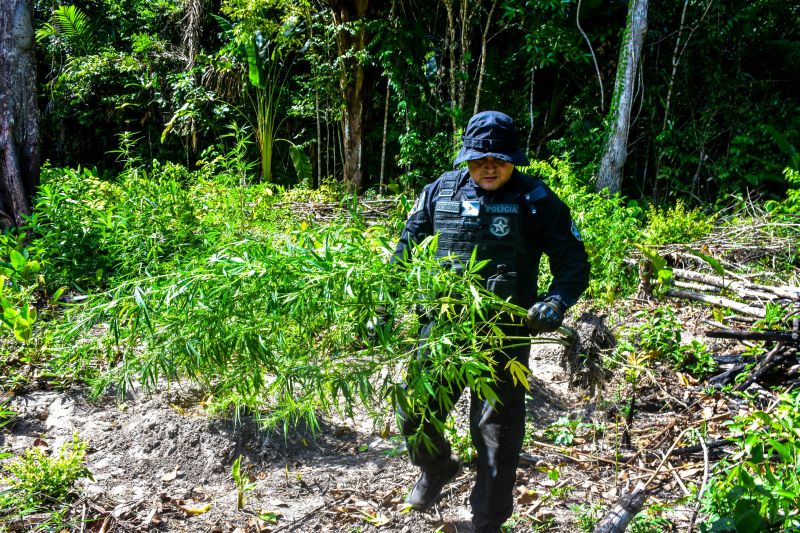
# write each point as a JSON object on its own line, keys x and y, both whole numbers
{"x": 546, "y": 316}
{"x": 377, "y": 321}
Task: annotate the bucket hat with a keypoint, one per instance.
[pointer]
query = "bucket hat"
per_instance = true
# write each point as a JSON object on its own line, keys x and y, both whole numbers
{"x": 491, "y": 133}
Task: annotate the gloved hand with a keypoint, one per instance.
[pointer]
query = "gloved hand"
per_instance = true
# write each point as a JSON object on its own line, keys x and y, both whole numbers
{"x": 546, "y": 316}
{"x": 377, "y": 321}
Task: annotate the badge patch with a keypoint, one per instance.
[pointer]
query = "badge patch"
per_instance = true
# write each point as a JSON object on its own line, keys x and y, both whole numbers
{"x": 418, "y": 205}
{"x": 497, "y": 209}
{"x": 500, "y": 227}
{"x": 575, "y": 232}
{"x": 470, "y": 208}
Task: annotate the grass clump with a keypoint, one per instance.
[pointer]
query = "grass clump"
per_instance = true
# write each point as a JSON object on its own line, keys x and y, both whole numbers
{"x": 609, "y": 226}
{"x": 36, "y": 482}
{"x": 676, "y": 224}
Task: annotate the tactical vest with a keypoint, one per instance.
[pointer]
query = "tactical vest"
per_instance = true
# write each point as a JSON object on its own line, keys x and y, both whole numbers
{"x": 494, "y": 230}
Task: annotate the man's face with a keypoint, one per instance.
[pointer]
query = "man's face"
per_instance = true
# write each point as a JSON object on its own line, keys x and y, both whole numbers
{"x": 489, "y": 173}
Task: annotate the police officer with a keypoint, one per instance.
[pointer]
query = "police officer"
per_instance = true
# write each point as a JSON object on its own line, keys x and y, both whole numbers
{"x": 509, "y": 219}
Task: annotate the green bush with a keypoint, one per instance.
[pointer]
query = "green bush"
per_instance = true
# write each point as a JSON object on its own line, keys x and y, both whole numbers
{"x": 91, "y": 229}
{"x": 21, "y": 276}
{"x": 658, "y": 338}
{"x": 791, "y": 204}
{"x": 675, "y": 224}
{"x": 609, "y": 227}
{"x": 36, "y": 481}
{"x": 73, "y": 221}
{"x": 758, "y": 489}
{"x": 695, "y": 358}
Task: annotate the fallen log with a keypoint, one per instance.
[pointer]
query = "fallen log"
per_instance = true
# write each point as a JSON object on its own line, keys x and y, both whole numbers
{"x": 730, "y": 359}
{"x": 698, "y": 448}
{"x": 777, "y": 336}
{"x": 718, "y": 300}
{"x": 739, "y": 286}
{"x": 727, "y": 377}
{"x": 775, "y": 356}
{"x": 618, "y": 518}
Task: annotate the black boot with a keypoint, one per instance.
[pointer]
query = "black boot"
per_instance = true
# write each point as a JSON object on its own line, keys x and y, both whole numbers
{"x": 430, "y": 484}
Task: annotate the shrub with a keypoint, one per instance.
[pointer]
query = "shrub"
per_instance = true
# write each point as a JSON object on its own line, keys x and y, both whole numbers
{"x": 37, "y": 481}
{"x": 675, "y": 224}
{"x": 72, "y": 222}
{"x": 91, "y": 229}
{"x": 609, "y": 227}
{"x": 21, "y": 275}
{"x": 758, "y": 489}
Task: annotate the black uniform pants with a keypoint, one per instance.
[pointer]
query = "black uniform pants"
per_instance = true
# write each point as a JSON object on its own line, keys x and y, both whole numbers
{"x": 497, "y": 431}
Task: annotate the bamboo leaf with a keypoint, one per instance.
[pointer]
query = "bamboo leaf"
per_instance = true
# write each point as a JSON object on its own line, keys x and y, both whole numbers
{"x": 301, "y": 163}
{"x": 712, "y": 262}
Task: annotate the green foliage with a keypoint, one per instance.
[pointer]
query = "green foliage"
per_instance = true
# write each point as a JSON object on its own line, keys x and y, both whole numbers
{"x": 70, "y": 25}
{"x": 695, "y": 358}
{"x": 658, "y": 338}
{"x": 267, "y": 61}
{"x": 36, "y": 481}
{"x": 675, "y": 224}
{"x": 21, "y": 276}
{"x": 7, "y": 414}
{"x": 73, "y": 220}
{"x": 242, "y": 482}
{"x": 587, "y": 516}
{"x": 609, "y": 227}
{"x": 660, "y": 334}
{"x": 776, "y": 317}
{"x": 278, "y": 324}
{"x": 91, "y": 229}
{"x": 791, "y": 204}
{"x": 651, "y": 520}
{"x": 416, "y": 153}
{"x": 758, "y": 489}
{"x": 658, "y": 264}
{"x": 461, "y": 442}
{"x": 563, "y": 431}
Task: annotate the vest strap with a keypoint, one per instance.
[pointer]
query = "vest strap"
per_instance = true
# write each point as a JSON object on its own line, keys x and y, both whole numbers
{"x": 449, "y": 184}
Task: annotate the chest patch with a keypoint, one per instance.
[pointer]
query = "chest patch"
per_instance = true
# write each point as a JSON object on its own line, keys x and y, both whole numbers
{"x": 497, "y": 209}
{"x": 500, "y": 226}
{"x": 575, "y": 232}
{"x": 470, "y": 208}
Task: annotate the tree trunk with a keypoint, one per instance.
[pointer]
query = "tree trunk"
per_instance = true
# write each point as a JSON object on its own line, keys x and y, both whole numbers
{"x": 467, "y": 11}
{"x": 482, "y": 67}
{"x": 382, "y": 181}
{"x": 19, "y": 124}
{"x": 450, "y": 46}
{"x": 192, "y": 20}
{"x": 610, "y": 173}
{"x": 350, "y": 42}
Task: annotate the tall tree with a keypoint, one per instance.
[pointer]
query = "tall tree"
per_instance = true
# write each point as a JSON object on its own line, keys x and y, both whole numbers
{"x": 482, "y": 64}
{"x": 351, "y": 43}
{"x": 19, "y": 124}
{"x": 609, "y": 175}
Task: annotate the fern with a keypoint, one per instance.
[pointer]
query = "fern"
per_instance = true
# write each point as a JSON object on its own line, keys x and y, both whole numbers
{"x": 71, "y": 26}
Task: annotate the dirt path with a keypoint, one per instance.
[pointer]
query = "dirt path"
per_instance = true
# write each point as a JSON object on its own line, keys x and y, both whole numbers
{"x": 155, "y": 458}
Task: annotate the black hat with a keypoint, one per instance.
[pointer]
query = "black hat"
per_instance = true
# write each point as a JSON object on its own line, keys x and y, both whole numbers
{"x": 491, "y": 133}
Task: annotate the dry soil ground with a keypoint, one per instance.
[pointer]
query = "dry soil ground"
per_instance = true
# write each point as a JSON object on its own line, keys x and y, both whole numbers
{"x": 157, "y": 459}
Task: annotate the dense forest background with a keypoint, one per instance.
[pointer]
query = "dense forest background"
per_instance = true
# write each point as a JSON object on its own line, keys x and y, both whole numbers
{"x": 207, "y": 193}
{"x": 376, "y": 92}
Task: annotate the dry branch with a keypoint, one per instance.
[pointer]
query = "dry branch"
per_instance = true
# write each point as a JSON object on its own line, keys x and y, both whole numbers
{"x": 741, "y": 287}
{"x": 775, "y": 356}
{"x": 717, "y": 300}
{"x": 618, "y": 518}
{"x": 777, "y": 336}
{"x": 371, "y": 210}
